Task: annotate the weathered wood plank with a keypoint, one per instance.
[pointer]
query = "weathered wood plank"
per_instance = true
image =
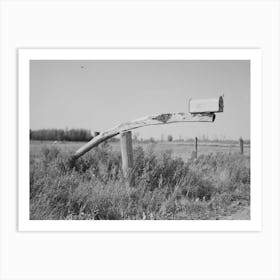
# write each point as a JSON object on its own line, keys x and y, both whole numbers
{"x": 167, "y": 118}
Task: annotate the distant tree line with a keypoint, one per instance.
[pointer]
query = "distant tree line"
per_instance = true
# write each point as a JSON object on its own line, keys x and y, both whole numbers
{"x": 61, "y": 135}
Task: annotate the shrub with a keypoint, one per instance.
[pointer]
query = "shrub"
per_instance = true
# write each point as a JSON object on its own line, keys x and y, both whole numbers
{"x": 93, "y": 187}
{"x": 60, "y": 135}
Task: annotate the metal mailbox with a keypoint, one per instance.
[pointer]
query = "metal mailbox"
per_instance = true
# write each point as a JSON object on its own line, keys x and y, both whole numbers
{"x": 212, "y": 105}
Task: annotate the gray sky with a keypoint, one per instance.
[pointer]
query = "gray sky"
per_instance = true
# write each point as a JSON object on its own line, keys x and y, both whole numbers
{"x": 98, "y": 95}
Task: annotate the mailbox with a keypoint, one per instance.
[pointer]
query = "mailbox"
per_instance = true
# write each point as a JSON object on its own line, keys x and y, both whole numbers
{"x": 212, "y": 105}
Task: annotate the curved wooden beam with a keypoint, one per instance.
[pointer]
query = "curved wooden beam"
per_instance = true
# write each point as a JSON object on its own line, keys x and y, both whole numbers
{"x": 146, "y": 121}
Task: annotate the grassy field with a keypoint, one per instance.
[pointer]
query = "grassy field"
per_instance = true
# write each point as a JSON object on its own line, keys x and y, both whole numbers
{"x": 168, "y": 183}
{"x": 182, "y": 149}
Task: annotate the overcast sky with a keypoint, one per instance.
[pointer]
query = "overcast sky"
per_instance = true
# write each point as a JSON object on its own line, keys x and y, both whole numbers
{"x": 98, "y": 95}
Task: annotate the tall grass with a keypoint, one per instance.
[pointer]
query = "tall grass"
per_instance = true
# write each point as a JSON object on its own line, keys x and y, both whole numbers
{"x": 209, "y": 187}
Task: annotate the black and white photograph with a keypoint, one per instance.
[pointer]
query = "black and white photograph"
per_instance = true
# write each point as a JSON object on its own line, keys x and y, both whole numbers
{"x": 149, "y": 139}
{"x": 140, "y": 140}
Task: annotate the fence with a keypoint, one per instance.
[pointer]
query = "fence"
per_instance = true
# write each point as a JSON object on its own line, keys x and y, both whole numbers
{"x": 127, "y": 151}
{"x": 241, "y": 146}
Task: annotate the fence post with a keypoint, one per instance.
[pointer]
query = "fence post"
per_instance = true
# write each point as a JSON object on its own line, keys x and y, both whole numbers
{"x": 127, "y": 153}
{"x": 241, "y": 142}
{"x": 195, "y": 147}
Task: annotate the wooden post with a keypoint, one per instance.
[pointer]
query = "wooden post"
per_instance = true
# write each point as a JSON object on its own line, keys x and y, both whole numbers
{"x": 241, "y": 142}
{"x": 195, "y": 147}
{"x": 127, "y": 153}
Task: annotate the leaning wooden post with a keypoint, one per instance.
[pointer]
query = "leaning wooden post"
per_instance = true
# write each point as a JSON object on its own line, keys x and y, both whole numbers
{"x": 241, "y": 142}
{"x": 195, "y": 147}
{"x": 127, "y": 154}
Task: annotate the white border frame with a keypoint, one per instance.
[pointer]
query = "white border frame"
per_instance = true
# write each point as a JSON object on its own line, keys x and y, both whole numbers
{"x": 254, "y": 55}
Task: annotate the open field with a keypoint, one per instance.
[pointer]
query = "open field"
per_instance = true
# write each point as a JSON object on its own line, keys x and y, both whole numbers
{"x": 179, "y": 149}
{"x": 168, "y": 183}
